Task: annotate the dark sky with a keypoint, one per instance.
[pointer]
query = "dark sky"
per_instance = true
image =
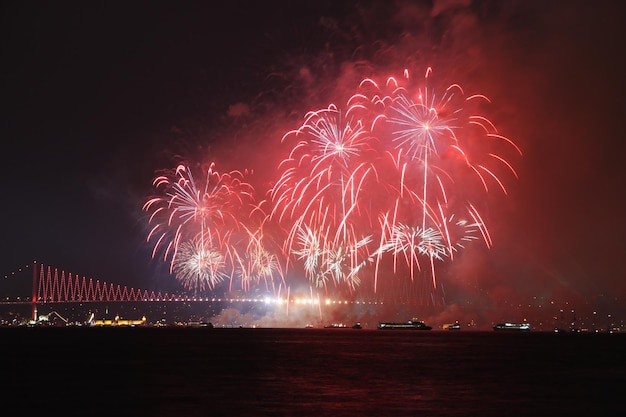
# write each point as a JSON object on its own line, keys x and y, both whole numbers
{"x": 98, "y": 97}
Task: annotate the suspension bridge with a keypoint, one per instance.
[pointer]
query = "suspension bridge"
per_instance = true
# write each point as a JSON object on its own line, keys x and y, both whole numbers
{"x": 54, "y": 285}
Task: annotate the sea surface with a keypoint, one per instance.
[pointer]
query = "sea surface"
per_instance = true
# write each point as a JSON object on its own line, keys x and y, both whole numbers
{"x": 309, "y": 372}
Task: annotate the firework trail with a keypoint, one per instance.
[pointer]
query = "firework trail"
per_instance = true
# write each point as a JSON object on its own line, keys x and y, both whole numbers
{"x": 326, "y": 261}
{"x": 200, "y": 220}
{"x": 199, "y": 267}
{"x": 327, "y": 166}
{"x": 260, "y": 262}
{"x": 318, "y": 197}
{"x": 433, "y": 140}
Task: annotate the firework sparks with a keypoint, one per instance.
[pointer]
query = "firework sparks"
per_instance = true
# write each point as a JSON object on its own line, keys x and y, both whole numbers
{"x": 259, "y": 264}
{"x": 199, "y": 218}
{"x": 400, "y": 152}
{"x": 199, "y": 267}
{"x": 432, "y": 140}
{"x": 325, "y": 261}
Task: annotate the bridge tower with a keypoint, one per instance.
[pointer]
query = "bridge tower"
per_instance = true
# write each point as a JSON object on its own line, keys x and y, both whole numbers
{"x": 34, "y": 297}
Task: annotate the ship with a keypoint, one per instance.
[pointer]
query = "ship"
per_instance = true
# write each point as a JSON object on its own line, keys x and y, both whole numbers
{"x": 520, "y": 327}
{"x": 336, "y": 326}
{"x": 343, "y": 326}
{"x": 412, "y": 324}
{"x": 452, "y": 326}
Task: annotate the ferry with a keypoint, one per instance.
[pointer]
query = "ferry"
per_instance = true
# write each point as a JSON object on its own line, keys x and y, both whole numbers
{"x": 412, "y": 324}
{"x": 520, "y": 327}
{"x": 452, "y": 326}
{"x": 343, "y": 326}
{"x": 336, "y": 326}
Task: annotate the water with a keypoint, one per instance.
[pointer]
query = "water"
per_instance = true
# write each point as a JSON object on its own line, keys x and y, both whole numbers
{"x": 310, "y": 372}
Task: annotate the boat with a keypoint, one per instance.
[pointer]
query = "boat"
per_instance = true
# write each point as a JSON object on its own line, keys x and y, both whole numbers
{"x": 412, "y": 324}
{"x": 343, "y": 326}
{"x": 336, "y": 326}
{"x": 520, "y": 327}
{"x": 452, "y": 326}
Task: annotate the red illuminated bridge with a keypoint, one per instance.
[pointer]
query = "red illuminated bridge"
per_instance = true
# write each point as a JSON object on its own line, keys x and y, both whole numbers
{"x": 51, "y": 285}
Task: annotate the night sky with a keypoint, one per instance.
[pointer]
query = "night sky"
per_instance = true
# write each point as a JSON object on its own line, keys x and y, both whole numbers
{"x": 99, "y": 97}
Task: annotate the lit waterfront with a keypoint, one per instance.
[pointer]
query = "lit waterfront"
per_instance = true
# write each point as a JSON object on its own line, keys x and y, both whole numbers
{"x": 298, "y": 313}
{"x": 69, "y": 299}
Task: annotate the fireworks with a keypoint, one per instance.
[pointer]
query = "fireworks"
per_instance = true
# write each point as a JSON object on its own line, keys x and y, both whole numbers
{"x": 434, "y": 140}
{"x": 325, "y": 172}
{"x": 385, "y": 181}
{"x": 193, "y": 224}
{"x": 325, "y": 260}
{"x": 198, "y": 267}
{"x": 260, "y": 265}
